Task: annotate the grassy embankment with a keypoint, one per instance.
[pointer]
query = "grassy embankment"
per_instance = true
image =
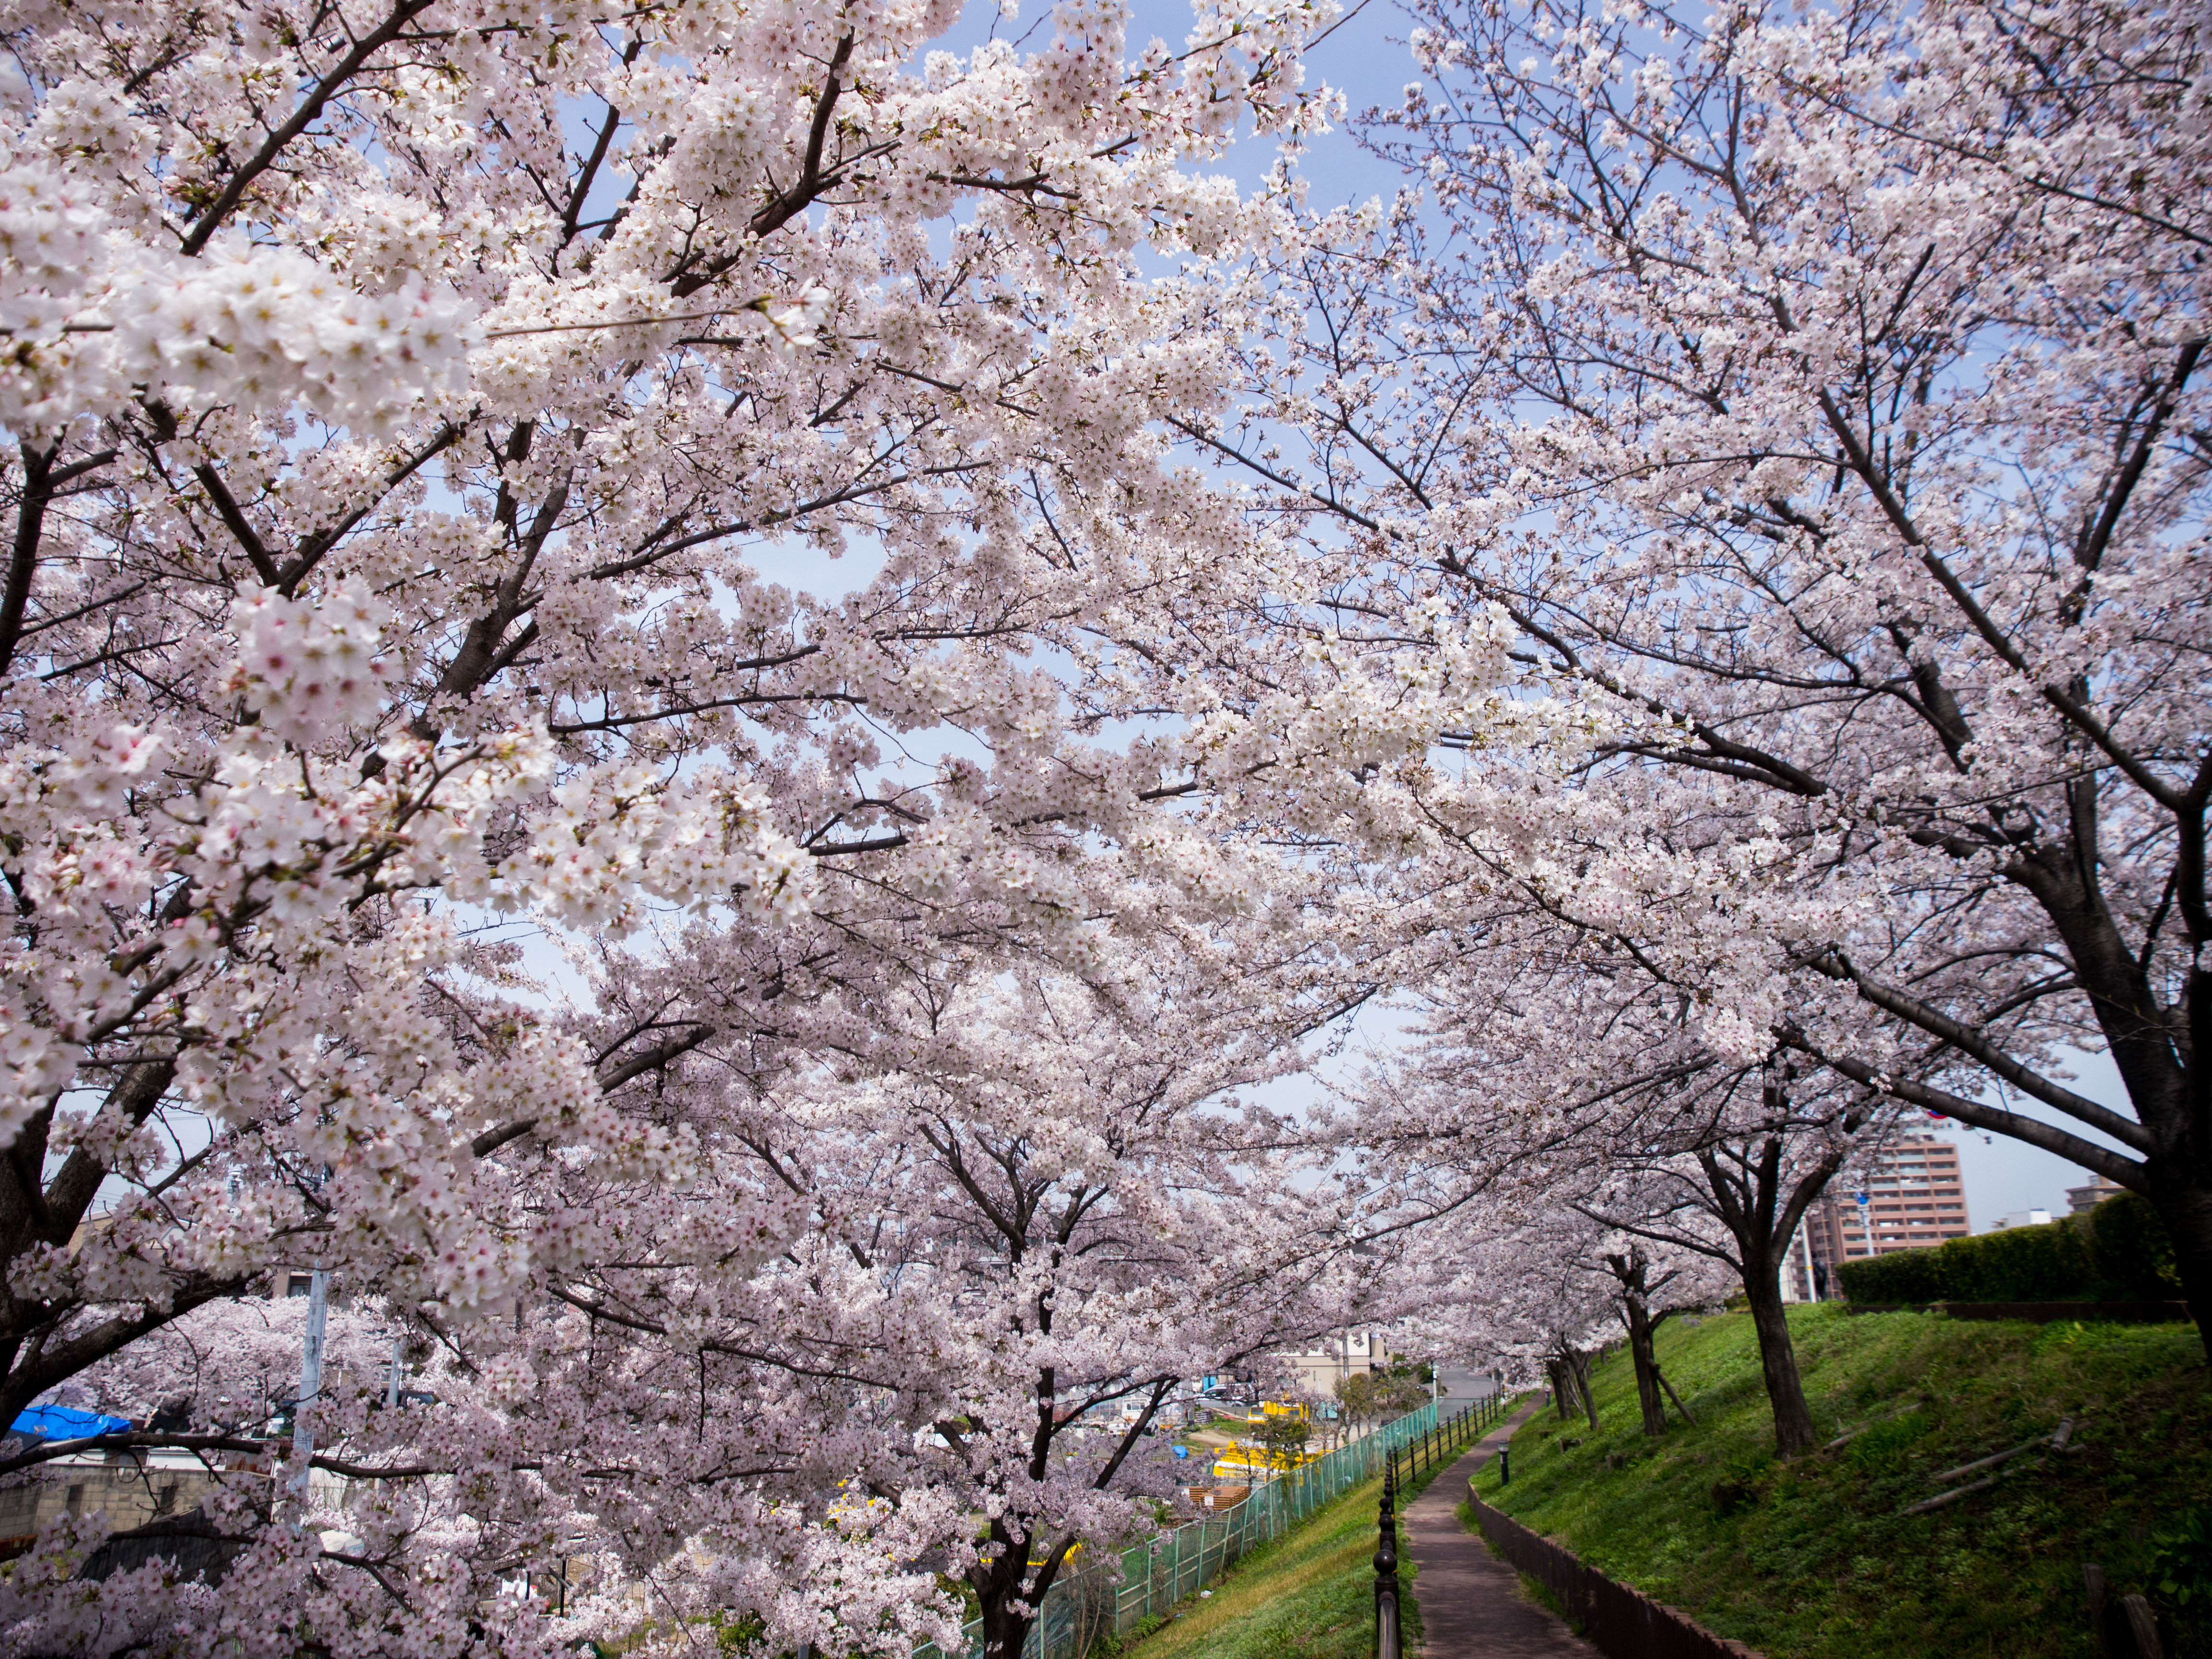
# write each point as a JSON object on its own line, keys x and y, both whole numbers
{"x": 1308, "y": 1595}
{"x": 1813, "y": 1560}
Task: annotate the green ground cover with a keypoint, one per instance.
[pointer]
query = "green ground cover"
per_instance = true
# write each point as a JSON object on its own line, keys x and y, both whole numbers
{"x": 1814, "y": 1560}
{"x": 1308, "y": 1595}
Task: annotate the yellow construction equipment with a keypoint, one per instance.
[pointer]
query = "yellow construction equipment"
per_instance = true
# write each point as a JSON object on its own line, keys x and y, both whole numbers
{"x": 1245, "y": 1462}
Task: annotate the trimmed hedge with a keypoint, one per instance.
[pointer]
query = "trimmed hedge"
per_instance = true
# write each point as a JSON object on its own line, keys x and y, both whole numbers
{"x": 2116, "y": 1252}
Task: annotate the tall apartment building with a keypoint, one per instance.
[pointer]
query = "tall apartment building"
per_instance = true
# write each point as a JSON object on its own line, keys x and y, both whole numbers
{"x": 1915, "y": 1198}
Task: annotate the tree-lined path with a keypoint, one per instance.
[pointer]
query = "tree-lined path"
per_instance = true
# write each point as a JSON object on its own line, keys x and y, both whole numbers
{"x": 1441, "y": 771}
{"x": 1472, "y": 1606}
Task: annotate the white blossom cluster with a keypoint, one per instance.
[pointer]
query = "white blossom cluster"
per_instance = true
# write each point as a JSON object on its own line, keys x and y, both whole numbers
{"x": 310, "y": 669}
{"x": 270, "y": 329}
{"x": 91, "y": 312}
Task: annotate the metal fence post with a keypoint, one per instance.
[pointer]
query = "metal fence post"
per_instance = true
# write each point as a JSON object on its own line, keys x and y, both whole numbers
{"x": 1386, "y": 1568}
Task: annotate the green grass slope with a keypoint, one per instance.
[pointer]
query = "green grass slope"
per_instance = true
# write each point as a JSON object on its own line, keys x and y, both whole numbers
{"x": 1815, "y": 1560}
{"x": 1308, "y": 1595}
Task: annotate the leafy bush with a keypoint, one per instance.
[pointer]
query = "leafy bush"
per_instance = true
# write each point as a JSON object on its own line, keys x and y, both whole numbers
{"x": 2118, "y": 1251}
{"x": 2181, "y": 1568}
{"x": 1900, "y": 1276}
{"x": 2132, "y": 1246}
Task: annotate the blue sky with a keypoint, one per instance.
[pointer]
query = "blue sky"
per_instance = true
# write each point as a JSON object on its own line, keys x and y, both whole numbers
{"x": 1362, "y": 56}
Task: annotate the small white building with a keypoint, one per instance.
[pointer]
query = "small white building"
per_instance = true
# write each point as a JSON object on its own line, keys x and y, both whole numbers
{"x": 2020, "y": 1219}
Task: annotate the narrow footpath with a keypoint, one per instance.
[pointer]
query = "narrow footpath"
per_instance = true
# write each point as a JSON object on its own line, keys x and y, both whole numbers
{"x": 1472, "y": 1607}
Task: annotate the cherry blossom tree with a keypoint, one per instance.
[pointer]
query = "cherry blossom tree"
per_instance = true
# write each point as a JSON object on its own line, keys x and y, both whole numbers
{"x": 228, "y": 1366}
{"x": 991, "y": 1268}
{"x": 439, "y": 843}
{"x": 1528, "y": 1298}
{"x": 1813, "y": 400}
{"x": 1688, "y": 1179}
{"x": 1027, "y": 1235}
{"x": 1581, "y": 1104}
{"x": 1649, "y": 1294}
{"x": 1013, "y": 1247}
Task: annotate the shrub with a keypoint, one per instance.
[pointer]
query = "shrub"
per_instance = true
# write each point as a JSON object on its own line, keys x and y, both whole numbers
{"x": 2132, "y": 1246}
{"x": 2181, "y": 1566}
{"x": 2118, "y": 1251}
{"x": 1900, "y": 1276}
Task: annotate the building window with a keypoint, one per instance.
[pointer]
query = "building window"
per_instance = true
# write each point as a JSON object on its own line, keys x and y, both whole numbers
{"x": 299, "y": 1285}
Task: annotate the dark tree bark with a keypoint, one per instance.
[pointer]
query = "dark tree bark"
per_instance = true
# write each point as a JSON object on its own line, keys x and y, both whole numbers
{"x": 1748, "y": 1199}
{"x": 1744, "y": 1185}
{"x": 1631, "y": 1270}
{"x": 1576, "y": 1364}
{"x": 2187, "y": 1213}
{"x": 1794, "y": 1433}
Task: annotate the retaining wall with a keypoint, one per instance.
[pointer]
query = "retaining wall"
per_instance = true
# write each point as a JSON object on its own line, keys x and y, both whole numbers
{"x": 1620, "y": 1622}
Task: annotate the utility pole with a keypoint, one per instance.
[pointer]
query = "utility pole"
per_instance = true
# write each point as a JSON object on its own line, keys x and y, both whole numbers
{"x": 392, "y": 1387}
{"x": 310, "y": 1377}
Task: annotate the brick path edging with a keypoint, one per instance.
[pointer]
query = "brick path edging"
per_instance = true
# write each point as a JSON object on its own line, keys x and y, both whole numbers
{"x": 1620, "y": 1622}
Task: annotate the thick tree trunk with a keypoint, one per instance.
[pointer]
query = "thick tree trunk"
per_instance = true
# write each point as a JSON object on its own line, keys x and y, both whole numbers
{"x": 1579, "y": 1364}
{"x": 2187, "y": 1214}
{"x": 1748, "y": 1199}
{"x": 2161, "y": 1068}
{"x": 1645, "y": 1358}
{"x": 1794, "y": 1434}
{"x": 1631, "y": 1269}
{"x": 1563, "y": 1389}
{"x": 1004, "y": 1630}
{"x": 1006, "y": 1613}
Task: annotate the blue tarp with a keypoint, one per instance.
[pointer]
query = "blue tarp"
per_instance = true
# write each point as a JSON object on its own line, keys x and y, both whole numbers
{"x": 62, "y": 1423}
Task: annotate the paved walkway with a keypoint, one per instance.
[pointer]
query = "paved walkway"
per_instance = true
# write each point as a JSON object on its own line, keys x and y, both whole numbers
{"x": 1472, "y": 1607}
